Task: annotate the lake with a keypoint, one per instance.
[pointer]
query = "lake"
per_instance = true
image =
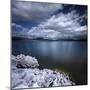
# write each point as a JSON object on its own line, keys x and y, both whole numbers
{"x": 67, "y": 56}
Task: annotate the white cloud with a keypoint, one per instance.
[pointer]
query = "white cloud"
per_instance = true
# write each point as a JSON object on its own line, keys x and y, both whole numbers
{"x": 61, "y": 22}
{"x": 82, "y": 28}
{"x": 16, "y": 25}
{"x": 62, "y": 26}
{"x": 18, "y": 29}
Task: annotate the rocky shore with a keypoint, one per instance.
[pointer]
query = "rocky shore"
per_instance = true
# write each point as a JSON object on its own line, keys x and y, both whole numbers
{"x": 26, "y": 74}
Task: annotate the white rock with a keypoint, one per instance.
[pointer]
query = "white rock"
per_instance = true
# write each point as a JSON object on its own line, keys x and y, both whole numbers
{"x": 23, "y": 61}
{"x": 34, "y": 77}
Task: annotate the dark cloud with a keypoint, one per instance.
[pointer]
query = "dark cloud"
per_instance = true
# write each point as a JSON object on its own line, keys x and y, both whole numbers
{"x": 25, "y": 11}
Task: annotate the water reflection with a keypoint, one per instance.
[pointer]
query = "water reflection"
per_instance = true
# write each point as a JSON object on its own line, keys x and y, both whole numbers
{"x": 56, "y": 50}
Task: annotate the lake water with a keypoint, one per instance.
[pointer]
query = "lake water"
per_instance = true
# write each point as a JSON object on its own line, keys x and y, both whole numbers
{"x": 67, "y": 56}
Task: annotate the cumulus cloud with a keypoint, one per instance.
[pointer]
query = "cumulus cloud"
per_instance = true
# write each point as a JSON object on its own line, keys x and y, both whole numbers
{"x": 65, "y": 25}
{"x": 33, "y": 10}
{"x": 52, "y": 20}
{"x": 18, "y": 29}
{"x": 61, "y": 22}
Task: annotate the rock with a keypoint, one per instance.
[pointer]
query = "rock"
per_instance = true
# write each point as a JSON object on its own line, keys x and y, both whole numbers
{"x": 34, "y": 77}
{"x": 22, "y": 61}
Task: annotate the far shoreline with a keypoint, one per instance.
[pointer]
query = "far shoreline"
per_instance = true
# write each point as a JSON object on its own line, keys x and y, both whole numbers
{"x": 41, "y": 39}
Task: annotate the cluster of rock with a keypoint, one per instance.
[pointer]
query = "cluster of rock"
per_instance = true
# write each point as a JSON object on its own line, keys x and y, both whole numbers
{"x": 22, "y": 61}
{"x": 25, "y": 74}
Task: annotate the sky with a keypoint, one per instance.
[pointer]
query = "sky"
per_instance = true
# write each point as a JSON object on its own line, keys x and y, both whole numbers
{"x": 48, "y": 20}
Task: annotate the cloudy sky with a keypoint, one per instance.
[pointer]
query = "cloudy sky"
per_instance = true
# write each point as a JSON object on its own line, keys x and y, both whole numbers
{"x": 48, "y": 20}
